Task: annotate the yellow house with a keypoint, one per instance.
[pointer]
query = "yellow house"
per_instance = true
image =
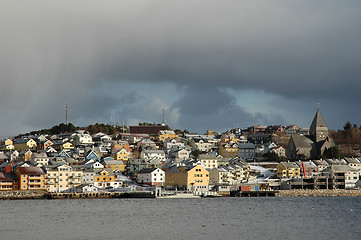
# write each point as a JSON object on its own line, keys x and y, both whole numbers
{"x": 104, "y": 178}
{"x": 288, "y": 170}
{"x": 25, "y": 144}
{"x": 7, "y": 145}
{"x": 63, "y": 178}
{"x": 63, "y": 145}
{"x": 122, "y": 155}
{"x": 229, "y": 149}
{"x": 31, "y": 178}
{"x": 43, "y": 145}
{"x": 25, "y": 155}
{"x": 229, "y": 137}
{"x": 188, "y": 177}
{"x": 115, "y": 165}
{"x": 166, "y": 134}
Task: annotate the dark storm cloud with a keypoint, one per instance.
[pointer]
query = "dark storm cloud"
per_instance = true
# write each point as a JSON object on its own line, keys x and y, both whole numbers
{"x": 54, "y": 52}
{"x": 219, "y": 107}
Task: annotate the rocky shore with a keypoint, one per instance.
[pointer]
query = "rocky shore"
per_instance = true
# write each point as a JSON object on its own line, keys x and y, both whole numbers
{"x": 24, "y": 194}
{"x": 12, "y": 195}
{"x": 319, "y": 193}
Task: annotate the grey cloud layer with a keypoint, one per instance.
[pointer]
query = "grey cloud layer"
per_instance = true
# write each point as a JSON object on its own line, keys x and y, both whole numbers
{"x": 62, "y": 51}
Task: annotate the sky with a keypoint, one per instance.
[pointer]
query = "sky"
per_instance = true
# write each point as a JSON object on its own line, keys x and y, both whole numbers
{"x": 210, "y": 64}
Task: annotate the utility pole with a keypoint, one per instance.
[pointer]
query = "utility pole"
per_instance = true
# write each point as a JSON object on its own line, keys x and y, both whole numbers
{"x": 66, "y": 113}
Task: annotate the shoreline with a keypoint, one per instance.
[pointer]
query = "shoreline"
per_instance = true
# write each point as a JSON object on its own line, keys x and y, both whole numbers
{"x": 319, "y": 193}
{"x": 19, "y": 195}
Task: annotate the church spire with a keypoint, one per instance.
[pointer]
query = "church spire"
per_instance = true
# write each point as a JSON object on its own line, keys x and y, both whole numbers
{"x": 318, "y": 129}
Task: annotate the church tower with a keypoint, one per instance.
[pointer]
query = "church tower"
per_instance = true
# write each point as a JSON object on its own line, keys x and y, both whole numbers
{"x": 318, "y": 129}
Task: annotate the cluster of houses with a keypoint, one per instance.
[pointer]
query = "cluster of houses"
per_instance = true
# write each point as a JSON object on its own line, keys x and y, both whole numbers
{"x": 156, "y": 156}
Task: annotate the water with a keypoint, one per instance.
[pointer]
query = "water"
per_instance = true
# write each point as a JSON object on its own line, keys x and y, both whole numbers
{"x": 217, "y": 218}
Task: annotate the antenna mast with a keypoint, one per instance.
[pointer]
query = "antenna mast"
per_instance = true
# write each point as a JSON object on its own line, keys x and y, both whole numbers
{"x": 163, "y": 116}
{"x": 66, "y": 113}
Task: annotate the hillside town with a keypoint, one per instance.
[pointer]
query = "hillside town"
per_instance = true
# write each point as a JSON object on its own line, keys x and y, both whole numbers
{"x": 259, "y": 158}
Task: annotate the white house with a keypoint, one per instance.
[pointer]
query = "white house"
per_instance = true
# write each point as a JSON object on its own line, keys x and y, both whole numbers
{"x": 82, "y": 138}
{"x": 88, "y": 176}
{"x": 41, "y": 158}
{"x": 171, "y": 143}
{"x": 151, "y": 176}
{"x": 153, "y": 154}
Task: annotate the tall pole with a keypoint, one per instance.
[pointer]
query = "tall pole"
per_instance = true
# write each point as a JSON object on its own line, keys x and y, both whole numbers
{"x": 164, "y": 116}
{"x": 66, "y": 113}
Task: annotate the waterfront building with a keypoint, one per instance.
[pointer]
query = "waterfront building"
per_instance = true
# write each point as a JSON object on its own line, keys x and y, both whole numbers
{"x": 105, "y": 178}
{"x": 288, "y": 170}
{"x": 151, "y": 176}
{"x": 8, "y": 181}
{"x": 63, "y": 178}
{"x": 190, "y": 178}
{"x": 342, "y": 176}
{"x": 31, "y": 178}
{"x": 233, "y": 174}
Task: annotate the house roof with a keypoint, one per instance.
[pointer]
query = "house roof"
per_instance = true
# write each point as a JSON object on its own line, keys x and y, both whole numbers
{"x": 352, "y": 160}
{"x": 246, "y": 146}
{"x": 8, "y": 176}
{"x": 30, "y": 170}
{"x": 301, "y": 141}
{"x": 290, "y": 164}
{"x": 339, "y": 168}
{"x": 147, "y": 170}
{"x": 113, "y": 162}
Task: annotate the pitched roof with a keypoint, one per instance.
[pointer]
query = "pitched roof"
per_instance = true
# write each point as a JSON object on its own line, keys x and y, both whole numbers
{"x": 30, "y": 170}
{"x": 301, "y": 141}
{"x": 318, "y": 121}
{"x": 340, "y": 168}
{"x": 147, "y": 170}
{"x": 8, "y": 176}
{"x": 290, "y": 164}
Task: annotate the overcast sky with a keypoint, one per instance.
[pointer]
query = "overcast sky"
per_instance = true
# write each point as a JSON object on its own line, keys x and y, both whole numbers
{"x": 210, "y": 64}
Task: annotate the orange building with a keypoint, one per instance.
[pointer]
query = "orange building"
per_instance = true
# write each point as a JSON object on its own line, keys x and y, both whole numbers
{"x": 8, "y": 181}
{"x": 31, "y": 178}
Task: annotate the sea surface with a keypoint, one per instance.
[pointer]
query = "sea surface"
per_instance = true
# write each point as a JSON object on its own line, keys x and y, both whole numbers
{"x": 206, "y": 218}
